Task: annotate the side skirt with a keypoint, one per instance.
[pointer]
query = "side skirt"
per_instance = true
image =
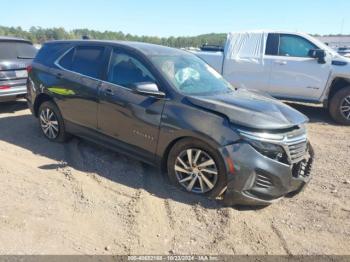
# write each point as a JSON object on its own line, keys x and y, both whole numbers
{"x": 111, "y": 143}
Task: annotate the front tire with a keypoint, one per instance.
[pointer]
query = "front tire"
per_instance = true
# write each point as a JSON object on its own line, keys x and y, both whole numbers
{"x": 339, "y": 106}
{"x": 51, "y": 122}
{"x": 197, "y": 168}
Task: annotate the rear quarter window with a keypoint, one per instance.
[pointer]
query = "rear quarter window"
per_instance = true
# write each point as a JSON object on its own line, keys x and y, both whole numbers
{"x": 49, "y": 53}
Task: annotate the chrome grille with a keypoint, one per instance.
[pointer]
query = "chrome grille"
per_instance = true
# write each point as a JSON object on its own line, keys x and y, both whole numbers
{"x": 294, "y": 143}
{"x": 297, "y": 147}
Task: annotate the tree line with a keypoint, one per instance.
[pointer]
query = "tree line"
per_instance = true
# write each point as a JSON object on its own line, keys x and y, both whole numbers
{"x": 40, "y": 35}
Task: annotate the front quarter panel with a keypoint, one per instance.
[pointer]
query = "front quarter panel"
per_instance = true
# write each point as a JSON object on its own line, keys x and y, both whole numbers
{"x": 338, "y": 71}
{"x": 341, "y": 70}
{"x": 181, "y": 119}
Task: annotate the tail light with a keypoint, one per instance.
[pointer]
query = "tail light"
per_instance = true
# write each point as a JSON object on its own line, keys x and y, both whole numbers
{"x": 4, "y": 87}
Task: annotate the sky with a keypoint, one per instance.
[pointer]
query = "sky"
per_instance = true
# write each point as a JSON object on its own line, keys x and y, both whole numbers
{"x": 180, "y": 17}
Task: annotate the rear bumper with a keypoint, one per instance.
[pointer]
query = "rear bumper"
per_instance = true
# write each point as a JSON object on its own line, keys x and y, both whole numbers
{"x": 258, "y": 180}
{"x": 13, "y": 93}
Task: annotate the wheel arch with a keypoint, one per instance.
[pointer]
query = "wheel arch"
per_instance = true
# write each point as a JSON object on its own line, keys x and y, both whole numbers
{"x": 41, "y": 98}
{"x": 165, "y": 154}
{"x": 338, "y": 83}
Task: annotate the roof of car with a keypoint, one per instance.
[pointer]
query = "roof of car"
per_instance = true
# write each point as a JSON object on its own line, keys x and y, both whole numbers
{"x": 271, "y": 31}
{"x": 146, "y": 48}
{"x": 10, "y": 38}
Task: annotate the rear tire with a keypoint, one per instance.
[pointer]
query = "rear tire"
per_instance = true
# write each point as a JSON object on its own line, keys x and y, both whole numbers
{"x": 339, "y": 106}
{"x": 51, "y": 122}
{"x": 206, "y": 172}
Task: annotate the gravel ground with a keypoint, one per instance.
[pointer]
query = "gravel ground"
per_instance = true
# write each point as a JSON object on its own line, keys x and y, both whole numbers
{"x": 78, "y": 198}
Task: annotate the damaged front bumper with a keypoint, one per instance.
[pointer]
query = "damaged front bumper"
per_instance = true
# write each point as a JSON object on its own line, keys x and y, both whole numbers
{"x": 259, "y": 180}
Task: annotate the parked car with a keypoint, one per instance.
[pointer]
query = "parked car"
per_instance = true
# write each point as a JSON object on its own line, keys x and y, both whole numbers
{"x": 288, "y": 66}
{"x": 15, "y": 55}
{"x": 167, "y": 107}
{"x": 344, "y": 51}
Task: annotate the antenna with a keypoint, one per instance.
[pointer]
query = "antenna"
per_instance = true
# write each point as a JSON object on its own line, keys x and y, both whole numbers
{"x": 341, "y": 29}
{"x": 342, "y": 26}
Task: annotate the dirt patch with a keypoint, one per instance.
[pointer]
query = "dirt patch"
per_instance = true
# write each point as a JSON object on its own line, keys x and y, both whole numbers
{"x": 79, "y": 198}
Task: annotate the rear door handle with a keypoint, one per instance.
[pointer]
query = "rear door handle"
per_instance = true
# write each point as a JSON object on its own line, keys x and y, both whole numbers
{"x": 108, "y": 91}
{"x": 59, "y": 76}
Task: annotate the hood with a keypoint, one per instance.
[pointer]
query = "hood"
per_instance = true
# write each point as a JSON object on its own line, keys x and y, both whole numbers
{"x": 338, "y": 57}
{"x": 251, "y": 109}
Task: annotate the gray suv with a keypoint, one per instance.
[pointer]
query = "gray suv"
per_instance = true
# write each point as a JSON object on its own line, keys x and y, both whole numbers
{"x": 168, "y": 108}
{"x": 15, "y": 56}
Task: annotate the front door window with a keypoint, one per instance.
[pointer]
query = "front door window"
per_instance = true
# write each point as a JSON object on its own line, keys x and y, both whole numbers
{"x": 295, "y": 46}
{"x": 126, "y": 71}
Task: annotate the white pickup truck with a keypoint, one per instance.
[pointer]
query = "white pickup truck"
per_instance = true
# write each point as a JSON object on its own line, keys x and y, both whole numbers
{"x": 288, "y": 66}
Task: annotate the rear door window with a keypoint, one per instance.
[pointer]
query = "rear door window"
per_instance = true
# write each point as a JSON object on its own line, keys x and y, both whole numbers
{"x": 10, "y": 50}
{"x": 85, "y": 60}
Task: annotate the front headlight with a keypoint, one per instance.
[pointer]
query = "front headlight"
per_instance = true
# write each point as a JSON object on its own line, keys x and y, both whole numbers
{"x": 268, "y": 149}
{"x": 272, "y": 151}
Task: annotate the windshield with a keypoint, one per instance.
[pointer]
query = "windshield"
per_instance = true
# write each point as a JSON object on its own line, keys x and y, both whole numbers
{"x": 17, "y": 50}
{"x": 190, "y": 75}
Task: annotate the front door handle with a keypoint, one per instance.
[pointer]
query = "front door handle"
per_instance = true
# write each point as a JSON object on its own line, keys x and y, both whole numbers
{"x": 281, "y": 62}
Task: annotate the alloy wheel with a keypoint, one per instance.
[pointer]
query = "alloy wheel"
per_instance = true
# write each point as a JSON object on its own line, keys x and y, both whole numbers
{"x": 49, "y": 123}
{"x": 196, "y": 171}
{"x": 345, "y": 107}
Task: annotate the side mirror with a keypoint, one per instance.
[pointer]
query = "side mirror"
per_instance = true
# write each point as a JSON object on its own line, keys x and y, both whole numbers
{"x": 318, "y": 54}
{"x": 148, "y": 89}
